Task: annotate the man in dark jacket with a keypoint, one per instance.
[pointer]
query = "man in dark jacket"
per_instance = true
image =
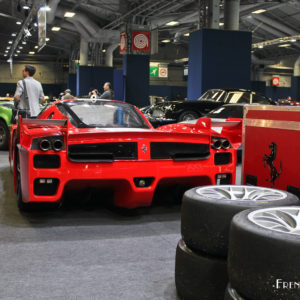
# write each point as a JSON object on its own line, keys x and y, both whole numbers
{"x": 108, "y": 92}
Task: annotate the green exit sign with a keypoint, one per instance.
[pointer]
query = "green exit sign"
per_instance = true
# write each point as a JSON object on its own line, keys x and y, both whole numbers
{"x": 153, "y": 71}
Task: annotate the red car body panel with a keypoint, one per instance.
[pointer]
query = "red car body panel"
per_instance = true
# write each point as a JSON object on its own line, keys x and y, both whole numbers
{"x": 119, "y": 174}
{"x": 230, "y": 128}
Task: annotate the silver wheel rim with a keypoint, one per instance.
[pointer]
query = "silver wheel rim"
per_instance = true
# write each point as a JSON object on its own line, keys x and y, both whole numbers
{"x": 240, "y": 193}
{"x": 188, "y": 117}
{"x": 281, "y": 219}
{"x": 2, "y": 135}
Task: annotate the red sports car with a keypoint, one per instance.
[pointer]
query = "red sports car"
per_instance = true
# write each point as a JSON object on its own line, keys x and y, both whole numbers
{"x": 99, "y": 144}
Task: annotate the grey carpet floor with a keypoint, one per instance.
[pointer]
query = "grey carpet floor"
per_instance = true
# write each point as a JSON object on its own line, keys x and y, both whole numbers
{"x": 77, "y": 254}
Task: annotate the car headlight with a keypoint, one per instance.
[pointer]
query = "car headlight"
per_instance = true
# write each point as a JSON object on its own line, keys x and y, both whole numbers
{"x": 220, "y": 143}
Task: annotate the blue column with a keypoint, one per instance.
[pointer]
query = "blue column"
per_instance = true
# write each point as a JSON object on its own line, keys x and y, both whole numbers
{"x": 259, "y": 86}
{"x": 295, "y": 89}
{"x": 218, "y": 59}
{"x": 89, "y": 78}
{"x": 118, "y": 85}
{"x": 72, "y": 83}
{"x": 136, "y": 76}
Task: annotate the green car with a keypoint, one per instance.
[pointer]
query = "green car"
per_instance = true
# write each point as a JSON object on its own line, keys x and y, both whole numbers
{"x": 5, "y": 123}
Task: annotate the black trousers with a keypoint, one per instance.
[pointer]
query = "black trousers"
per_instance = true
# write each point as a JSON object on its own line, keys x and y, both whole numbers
{"x": 19, "y": 112}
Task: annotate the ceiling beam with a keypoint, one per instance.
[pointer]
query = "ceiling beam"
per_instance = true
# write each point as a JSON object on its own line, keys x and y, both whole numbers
{"x": 34, "y": 9}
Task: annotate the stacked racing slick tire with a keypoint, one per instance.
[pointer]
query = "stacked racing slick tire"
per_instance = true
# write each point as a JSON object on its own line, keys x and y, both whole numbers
{"x": 232, "y": 294}
{"x": 207, "y": 212}
{"x": 263, "y": 258}
{"x": 199, "y": 276}
{"x": 206, "y": 215}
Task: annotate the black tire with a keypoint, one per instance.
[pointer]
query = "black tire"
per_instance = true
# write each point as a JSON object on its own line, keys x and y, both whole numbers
{"x": 23, "y": 207}
{"x": 4, "y": 135}
{"x": 199, "y": 277}
{"x": 188, "y": 115}
{"x": 205, "y": 221}
{"x": 232, "y": 294}
{"x": 264, "y": 263}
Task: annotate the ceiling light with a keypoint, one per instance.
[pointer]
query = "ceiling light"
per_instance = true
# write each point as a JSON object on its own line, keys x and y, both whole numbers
{"x": 24, "y": 43}
{"x": 20, "y": 47}
{"x": 5, "y": 54}
{"x": 260, "y": 46}
{"x": 18, "y": 22}
{"x": 172, "y": 23}
{"x": 293, "y": 40}
{"x": 6, "y": 51}
{"x": 10, "y": 42}
{"x": 187, "y": 34}
{"x": 69, "y": 14}
{"x": 55, "y": 28}
{"x": 16, "y": 54}
{"x": 259, "y": 11}
{"x": 221, "y": 24}
{"x": 13, "y": 34}
{"x": 45, "y": 8}
{"x": 166, "y": 41}
{"x": 31, "y": 52}
{"x": 36, "y": 47}
{"x": 35, "y": 24}
{"x": 18, "y": 51}
{"x": 285, "y": 45}
{"x": 8, "y": 47}
{"x": 104, "y": 50}
{"x": 47, "y": 39}
{"x": 26, "y": 7}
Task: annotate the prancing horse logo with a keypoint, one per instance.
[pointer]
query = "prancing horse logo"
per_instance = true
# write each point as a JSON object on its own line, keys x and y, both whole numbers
{"x": 144, "y": 148}
{"x": 269, "y": 160}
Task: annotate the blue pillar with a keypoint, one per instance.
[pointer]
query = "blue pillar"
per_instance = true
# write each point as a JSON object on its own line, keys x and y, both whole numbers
{"x": 259, "y": 86}
{"x": 218, "y": 59}
{"x": 136, "y": 76}
{"x": 72, "y": 83}
{"x": 118, "y": 85}
{"x": 89, "y": 78}
{"x": 295, "y": 89}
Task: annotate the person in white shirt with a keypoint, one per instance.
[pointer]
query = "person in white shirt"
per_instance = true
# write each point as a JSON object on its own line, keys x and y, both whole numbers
{"x": 29, "y": 94}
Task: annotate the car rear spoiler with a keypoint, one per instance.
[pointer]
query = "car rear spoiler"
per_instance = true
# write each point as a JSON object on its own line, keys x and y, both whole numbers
{"x": 208, "y": 123}
{"x": 42, "y": 123}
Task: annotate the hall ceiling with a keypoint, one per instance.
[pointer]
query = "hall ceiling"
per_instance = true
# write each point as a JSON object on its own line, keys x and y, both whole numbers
{"x": 101, "y": 20}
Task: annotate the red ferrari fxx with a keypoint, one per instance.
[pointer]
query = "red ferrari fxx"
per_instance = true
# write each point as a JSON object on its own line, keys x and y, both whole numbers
{"x": 96, "y": 144}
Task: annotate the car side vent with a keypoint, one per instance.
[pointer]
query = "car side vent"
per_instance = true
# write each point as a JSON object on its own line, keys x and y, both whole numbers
{"x": 46, "y": 161}
{"x": 179, "y": 151}
{"x": 222, "y": 158}
{"x": 102, "y": 152}
{"x": 45, "y": 186}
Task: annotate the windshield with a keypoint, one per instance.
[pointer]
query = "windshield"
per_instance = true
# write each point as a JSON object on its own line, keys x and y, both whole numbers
{"x": 215, "y": 95}
{"x": 224, "y": 112}
{"x": 101, "y": 113}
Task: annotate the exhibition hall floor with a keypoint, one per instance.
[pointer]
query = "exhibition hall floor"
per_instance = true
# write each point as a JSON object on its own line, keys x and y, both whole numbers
{"x": 72, "y": 252}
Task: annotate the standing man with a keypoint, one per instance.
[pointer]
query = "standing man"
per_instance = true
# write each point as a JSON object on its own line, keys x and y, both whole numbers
{"x": 108, "y": 92}
{"x": 29, "y": 94}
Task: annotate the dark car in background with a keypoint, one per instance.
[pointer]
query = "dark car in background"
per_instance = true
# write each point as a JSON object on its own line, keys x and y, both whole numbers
{"x": 182, "y": 110}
